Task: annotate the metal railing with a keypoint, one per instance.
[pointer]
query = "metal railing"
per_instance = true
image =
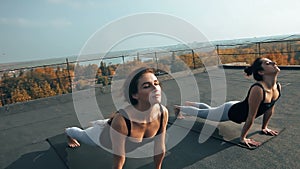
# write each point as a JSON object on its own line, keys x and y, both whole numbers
{"x": 23, "y": 84}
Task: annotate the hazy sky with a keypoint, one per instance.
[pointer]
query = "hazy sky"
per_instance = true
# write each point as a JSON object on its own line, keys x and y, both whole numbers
{"x": 41, "y": 29}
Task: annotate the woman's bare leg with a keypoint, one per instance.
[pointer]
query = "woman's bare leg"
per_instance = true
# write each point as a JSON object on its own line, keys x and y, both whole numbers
{"x": 177, "y": 112}
{"x": 219, "y": 113}
{"x": 198, "y": 105}
{"x": 76, "y": 135}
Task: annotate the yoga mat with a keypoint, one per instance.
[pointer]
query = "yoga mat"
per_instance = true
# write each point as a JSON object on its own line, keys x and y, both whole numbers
{"x": 226, "y": 131}
{"x": 91, "y": 157}
{"x": 187, "y": 152}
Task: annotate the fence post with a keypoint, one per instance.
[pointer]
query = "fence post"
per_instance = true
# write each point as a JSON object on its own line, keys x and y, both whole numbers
{"x": 288, "y": 50}
{"x": 258, "y": 49}
{"x": 138, "y": 56}
{"x": 218, "y": 54}
{"x": 2, "y": 97}
{"x": 69, "y": 74}
{"x": 193, "y": 54}
{"x": 173, "y": 58}
{"x": 156, "y": 60}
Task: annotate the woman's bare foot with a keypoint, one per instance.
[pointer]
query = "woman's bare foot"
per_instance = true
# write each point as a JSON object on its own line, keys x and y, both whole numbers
{"x": 72, "y": 142}
{"x": 177, "y": 112}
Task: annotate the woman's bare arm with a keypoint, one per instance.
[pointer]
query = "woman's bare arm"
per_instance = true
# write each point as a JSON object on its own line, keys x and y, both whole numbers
{"x": 254, "y": 100}
{"x": 118, "y": 134}
{"x": 159, "y": 144}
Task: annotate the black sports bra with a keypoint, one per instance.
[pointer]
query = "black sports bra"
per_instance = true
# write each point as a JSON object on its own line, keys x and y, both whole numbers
{"x": 239, "y": 111}
{"x": 128, "y": 122}
{"x": 131, "y": 145}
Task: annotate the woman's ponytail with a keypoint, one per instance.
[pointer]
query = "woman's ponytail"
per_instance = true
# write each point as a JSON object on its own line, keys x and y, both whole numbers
{"x": 248, "y": 70}
{"x": 254, "y": 69}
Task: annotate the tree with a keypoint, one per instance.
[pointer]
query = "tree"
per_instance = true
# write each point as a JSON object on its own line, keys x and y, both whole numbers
{"x": 47, "y": 90}
{"x": 102, "y": 80}
{"x": 35, "y": 91}
{"x": 19, "y": 95}
{"x": 104, "y": 69}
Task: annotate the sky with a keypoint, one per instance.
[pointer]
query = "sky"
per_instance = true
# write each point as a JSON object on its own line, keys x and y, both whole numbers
{"x": 43, "y": 29}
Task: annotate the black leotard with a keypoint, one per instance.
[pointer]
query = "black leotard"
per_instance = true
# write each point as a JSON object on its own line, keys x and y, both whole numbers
{"x": 130, "y": 145}
{"x": 239, "y": 112}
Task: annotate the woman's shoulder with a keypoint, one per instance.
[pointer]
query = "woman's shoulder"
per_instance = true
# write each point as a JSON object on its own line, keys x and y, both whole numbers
{"x": 118, "y": 123}
{"x": 165, "y": 110}
{"x": 257, "y": 88}
{"x": 256, "y": 92}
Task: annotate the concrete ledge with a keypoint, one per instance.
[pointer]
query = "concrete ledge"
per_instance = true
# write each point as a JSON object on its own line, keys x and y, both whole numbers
{"x": 287, "y": 67}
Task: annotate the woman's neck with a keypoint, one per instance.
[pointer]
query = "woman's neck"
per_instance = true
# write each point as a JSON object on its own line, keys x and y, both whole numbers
{"x": 269, "y": 81}
{"x": 142, "y": 107}
{"x": 143, "y": 113}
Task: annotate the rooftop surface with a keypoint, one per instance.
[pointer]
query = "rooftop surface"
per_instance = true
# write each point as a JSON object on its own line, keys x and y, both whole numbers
{"x": 26, "y": 129}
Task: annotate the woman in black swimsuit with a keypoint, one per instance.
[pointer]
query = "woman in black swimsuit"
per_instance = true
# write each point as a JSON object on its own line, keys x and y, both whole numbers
{"x": 148, "y": 118}
{"x": 260, "y": 100}
{"x": 144, "y": 120}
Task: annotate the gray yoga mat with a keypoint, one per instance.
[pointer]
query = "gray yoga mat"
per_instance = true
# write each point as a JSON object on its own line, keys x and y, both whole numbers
{"x": 226, "y": 131}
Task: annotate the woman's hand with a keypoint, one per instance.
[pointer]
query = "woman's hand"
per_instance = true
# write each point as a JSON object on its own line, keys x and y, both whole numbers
{"x": 269, "y": 132}
{"x": 250, "y": 142}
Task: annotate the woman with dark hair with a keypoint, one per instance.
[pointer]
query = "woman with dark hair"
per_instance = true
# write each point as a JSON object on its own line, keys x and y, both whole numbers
{"x": 260, "y": 100}
{"x": 143, "y": 121}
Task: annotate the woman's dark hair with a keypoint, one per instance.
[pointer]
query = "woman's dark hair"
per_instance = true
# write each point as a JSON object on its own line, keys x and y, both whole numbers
{"x": 131, "y": 83}
{"x": 254, "y": 69}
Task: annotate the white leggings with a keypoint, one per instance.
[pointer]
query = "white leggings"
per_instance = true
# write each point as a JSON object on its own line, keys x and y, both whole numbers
{"x": 205, "y": 111}
{"x": 89, "y": 135}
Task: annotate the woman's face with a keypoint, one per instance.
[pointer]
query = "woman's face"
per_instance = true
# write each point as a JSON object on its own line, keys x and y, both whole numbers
{"x": 149, "y": 90}
{"x": 269, "y": 66}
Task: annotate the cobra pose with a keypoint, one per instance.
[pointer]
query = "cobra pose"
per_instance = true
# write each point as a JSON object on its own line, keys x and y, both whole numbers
{"x": 143, "y": 121}
{"x": 260, "y": 100}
